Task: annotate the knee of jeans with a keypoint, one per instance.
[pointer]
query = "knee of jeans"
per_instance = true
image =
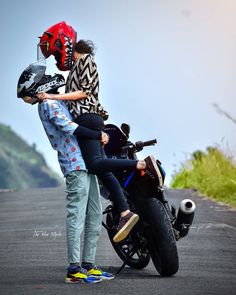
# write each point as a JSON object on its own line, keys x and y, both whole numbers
{"x": 94, "y": 218}
{"x": 95, "y": 226}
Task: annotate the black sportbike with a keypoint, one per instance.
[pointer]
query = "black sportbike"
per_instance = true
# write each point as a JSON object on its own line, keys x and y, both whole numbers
{"x": 155, "y": 235}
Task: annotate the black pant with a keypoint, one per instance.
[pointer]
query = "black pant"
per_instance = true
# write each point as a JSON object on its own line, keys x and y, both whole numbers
{"x": 97, "y": 162}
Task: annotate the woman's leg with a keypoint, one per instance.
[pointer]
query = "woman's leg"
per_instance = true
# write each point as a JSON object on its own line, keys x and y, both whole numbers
{"x": 113, "y": 186}
{"x": 96, "y": 161}
{"x": 92, "y": 149}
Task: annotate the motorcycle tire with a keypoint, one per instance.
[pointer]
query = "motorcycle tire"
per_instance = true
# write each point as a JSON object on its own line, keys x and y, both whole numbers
{"x": 141, "y": 257}
{"x": 161, "y": 238}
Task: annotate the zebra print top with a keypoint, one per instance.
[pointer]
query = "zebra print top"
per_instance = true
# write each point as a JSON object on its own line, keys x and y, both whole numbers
{"x": 84, "y": 76}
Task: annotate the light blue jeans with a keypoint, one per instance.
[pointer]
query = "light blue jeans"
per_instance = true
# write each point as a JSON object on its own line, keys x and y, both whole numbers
{"x": 84, "y": 211}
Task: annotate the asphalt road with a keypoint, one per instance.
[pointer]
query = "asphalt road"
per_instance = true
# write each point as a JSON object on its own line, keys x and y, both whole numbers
{"x": 33, "y": 250}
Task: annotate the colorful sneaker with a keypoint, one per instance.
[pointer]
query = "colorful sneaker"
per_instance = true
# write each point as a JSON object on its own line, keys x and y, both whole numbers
{"x": 77, "y": 274}
{"x": 125, "y": 225}
{"x": 96, "y": 272}
{"x": 153, "y": 170}
{"x": 92, "y": 280}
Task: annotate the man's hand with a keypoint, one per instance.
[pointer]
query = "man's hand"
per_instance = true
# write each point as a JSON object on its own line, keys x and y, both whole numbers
{"x": 104, "y": 138}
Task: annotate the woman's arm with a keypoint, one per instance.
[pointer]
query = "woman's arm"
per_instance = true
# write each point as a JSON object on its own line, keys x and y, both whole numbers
{"x": 75, "y": 95}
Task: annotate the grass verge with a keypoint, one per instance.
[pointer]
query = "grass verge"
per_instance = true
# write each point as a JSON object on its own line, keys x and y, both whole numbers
{"x": 212, "y": 173}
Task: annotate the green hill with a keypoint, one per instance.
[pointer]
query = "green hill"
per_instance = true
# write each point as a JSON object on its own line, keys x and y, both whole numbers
{"x": 21, "y": 166}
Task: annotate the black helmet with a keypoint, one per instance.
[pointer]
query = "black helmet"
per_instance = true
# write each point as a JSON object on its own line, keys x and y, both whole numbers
{"x": 34, "y": 80}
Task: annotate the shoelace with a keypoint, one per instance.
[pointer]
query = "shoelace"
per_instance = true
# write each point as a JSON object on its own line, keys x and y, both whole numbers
{"x": 95, "y": 267}
{"x": 79, "y": 269}
{"x": 84, "y": 271}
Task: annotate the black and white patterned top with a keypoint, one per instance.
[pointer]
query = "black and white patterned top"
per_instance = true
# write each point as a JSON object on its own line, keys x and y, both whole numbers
{"x": 84, "y": 76}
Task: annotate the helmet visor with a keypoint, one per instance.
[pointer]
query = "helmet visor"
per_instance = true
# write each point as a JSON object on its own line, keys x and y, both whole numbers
{"x": 40, "y": 54}
{"x": 44, "y": 47}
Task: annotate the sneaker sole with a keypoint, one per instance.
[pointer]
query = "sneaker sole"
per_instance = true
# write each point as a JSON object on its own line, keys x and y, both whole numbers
{"x": 103, "y": 277}
{"x": 124, "y": 232}
{"x": 81, "y": 281}
{"x": 157, "y": 170}
{"x": 107, "y": 279}
{"x": 74, "y": 282}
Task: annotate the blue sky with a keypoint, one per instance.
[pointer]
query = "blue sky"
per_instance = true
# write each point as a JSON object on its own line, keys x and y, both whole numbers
{"x": 162, "y": 63}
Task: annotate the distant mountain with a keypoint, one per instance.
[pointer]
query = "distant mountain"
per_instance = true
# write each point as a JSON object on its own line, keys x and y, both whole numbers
{"x": 21, "y": 166}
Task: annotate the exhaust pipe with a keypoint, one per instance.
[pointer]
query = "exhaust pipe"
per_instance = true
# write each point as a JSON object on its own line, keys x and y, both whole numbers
{"x": 184, "y": 217}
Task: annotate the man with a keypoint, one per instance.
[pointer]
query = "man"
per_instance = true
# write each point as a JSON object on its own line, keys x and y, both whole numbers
{"x": 83, "y": 199}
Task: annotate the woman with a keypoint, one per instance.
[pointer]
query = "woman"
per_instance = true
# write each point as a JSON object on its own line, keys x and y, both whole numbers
{"x": 82, "y": 89}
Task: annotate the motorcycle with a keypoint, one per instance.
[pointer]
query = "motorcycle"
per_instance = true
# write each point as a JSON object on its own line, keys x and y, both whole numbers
{"x": 159, "y": 227}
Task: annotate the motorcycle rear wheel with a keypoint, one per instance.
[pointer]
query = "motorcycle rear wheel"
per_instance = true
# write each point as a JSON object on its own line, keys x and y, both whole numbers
{"x": 161, "y": 238}
{"x": 141, "y": 257}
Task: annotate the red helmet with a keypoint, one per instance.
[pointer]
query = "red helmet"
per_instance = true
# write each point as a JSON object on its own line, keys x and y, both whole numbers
{"x": 58, "y": 40}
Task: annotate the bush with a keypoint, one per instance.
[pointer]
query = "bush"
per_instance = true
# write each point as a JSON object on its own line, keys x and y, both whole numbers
{"x": 212, "y": 173}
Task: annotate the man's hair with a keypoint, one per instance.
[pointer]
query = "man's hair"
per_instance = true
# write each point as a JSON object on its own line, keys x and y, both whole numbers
{"x": 83, "y": 46}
